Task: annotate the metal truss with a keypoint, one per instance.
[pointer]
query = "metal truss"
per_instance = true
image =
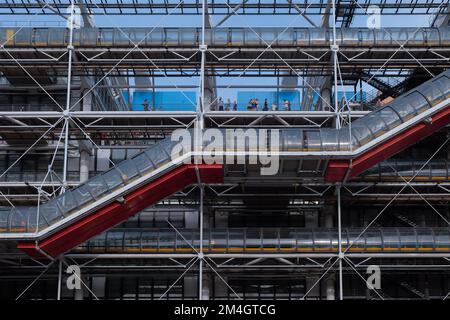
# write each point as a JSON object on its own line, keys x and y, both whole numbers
{"x": 65, "y": 125}
{"x": 194, "y": 7}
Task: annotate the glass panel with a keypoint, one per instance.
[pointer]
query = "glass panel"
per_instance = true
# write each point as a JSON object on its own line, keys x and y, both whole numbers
{"x": 139, "y": 36}
{"x": 166, "y": 240}
{"x": 220, "y": 37}
{"x": 287, "y": 239}
{"x": 270, "y": 239}
{"x": 357, "y": 243}
{"x": 403, "y": 108}
{"x": 67, "y": 201}
{"x": 253, "y": 241}
{"x": 115, "y": 241}
{"x": 252, "y": 38}
{"x": 171, "y": 37}
{"x": 302, "y": 36}
{"x": 304, "y": 240}
{"x": 32, "y": 219}
{"x": 416, "y": 38}
{"x": 98, "y": 244}
{"x": 329, "y": 139}
{"x": 350, "y": 36}
{"x": 41, "y": 37}
{"x": 287, "y": 38}
{"x": 317, "y": 37}
{"x": 391, "y": 240}
{"x": 373, "y": 240}
{"x": 57, "y": 37}
{"x": 433, "y": 94}
{"x": 132, "y": 241}
{"x": 167, "y": 145}
{"x": 390, "y": 117}
{"x": 89, "y": 36}
{"x": 417, "y": 101}
{"x": 334, "y": 236}
{"x": 82, "y": 195}
{"x": 4, "y": 214}
{"x": 237, "y": 37}
{"x": 157, "y": 155}
{"x": 322, "y": 240}
{"x": 443, "y": 84}
{"x": 312, "y": 140}
{"x": 127, "y": 169}
{"x": 425, "y": 238}
{"x": 120, "y": 38}
{"x": 344, "y": 137}
{"x": 97, "y": 186}
{"x": 292, "y": 140}
{"x": 376, "y": 124}
{"x": 366, "y": 37}
{"x": 106, "y": 36}
{"x": 18, "y": 220}
{"x": 442, "y": 239}
{"x": 432, "y": 36}
{"x": 156, "y": 38}
{"x": 408, "y": 239}
{"x": 149, "y": 241}
{"x": 112, "y": 178}
{"x": 361, "y": 133}
{"x": 182, "y": 246}
{"x": 50, "y": 211}
{"x": 142, "y": 163}
{"x": 236, "y": 239}
{"x": 22, "y": 37}
{"x": 382, "y": 37}
{"x": 269, "y": 36}
{"x": 218, "y": 240}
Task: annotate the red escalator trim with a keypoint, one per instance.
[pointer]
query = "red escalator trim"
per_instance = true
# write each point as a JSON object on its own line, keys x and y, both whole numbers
{"x": 337, "y": 169}
{"x": 114, "y": 212}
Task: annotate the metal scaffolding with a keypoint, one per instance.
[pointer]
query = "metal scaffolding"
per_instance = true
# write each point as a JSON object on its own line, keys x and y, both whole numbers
{"x": 84, "y": 114}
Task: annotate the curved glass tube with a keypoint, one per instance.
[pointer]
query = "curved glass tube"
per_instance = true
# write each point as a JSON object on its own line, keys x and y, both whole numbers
{"x": 236, "y": 240}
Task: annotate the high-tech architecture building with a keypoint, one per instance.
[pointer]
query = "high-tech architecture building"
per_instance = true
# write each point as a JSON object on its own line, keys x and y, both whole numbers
{"x": 330, "y": 126}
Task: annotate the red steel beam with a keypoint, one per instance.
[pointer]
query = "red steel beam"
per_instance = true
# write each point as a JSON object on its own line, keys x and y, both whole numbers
{"x": 113, "y": 213}
{"x": 337, "y": 170}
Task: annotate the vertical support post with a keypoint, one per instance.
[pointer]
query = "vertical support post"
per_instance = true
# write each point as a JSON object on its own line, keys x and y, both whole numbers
{"x": 68, "y": 98}
{"x": 341, "y": 289}
{"x": 335, "y": 49}
{"x": 198, "y": 141}
{"x": 200, "y": 269}
{"x": 58, "y": 294}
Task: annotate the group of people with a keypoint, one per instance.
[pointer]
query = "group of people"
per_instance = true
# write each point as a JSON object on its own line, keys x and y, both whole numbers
{"x": 253, "y": 105}
{"x": 227, "y": 106}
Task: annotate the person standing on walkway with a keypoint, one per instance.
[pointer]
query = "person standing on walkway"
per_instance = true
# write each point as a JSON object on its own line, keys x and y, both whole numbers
{"x": 228, "y": 105}
{"x": 266, "y": 105}
{"x": 145, "y": 104}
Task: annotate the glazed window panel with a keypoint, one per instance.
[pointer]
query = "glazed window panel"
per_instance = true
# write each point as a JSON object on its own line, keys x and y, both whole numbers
{"x": 390, "y": 117}
{"x": 432, "y": 92}
{"x": 425, "y": 238}
{"x": 403, "y": 108}
{"x": 417, "y": 101}
{"x": 442, "y": 239}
